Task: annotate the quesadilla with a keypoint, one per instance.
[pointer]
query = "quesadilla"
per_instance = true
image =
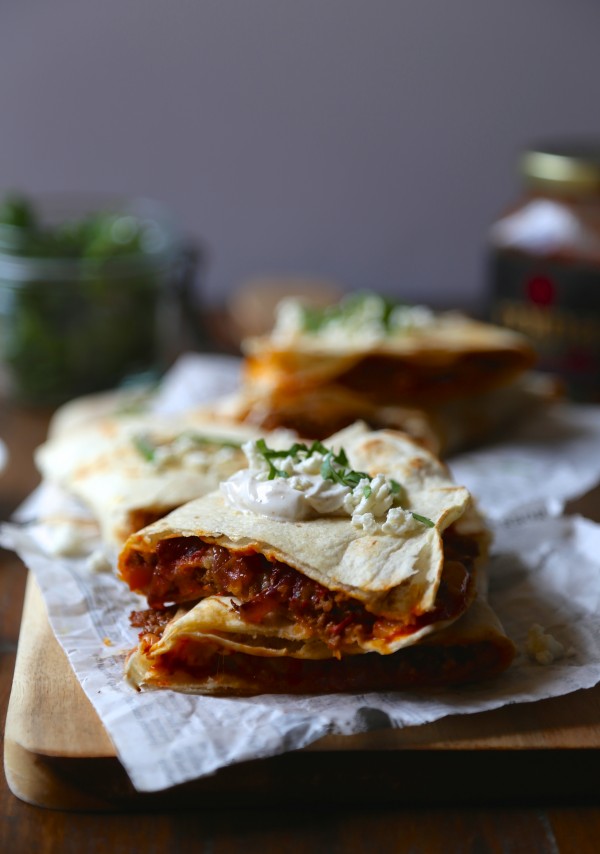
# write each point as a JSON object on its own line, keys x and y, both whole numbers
{"x": 314, "y": 569}
{"x": 445, "y": 378}
{"x": 209, "y": 650}
{"x": 131, "y": 470}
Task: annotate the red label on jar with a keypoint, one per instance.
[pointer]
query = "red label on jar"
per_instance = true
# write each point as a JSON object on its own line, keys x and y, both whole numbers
{"x": 557, "y": 306}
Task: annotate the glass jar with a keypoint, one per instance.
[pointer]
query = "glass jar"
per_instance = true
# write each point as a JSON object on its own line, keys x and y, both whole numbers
{"x": 544, "y": 255}
{"x": 88, "y": 294}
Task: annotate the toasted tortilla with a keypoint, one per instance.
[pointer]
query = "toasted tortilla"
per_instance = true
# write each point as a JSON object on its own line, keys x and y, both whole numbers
{"x": 395, "y": 577}
{"x": 452, "y": 345}
{"x": 209, "y": 650}
{"x": 319, "y": 411}
{"x": 108, "y": 464}
{"x": 450, "y": 383}
{"x": 444, "y": 427}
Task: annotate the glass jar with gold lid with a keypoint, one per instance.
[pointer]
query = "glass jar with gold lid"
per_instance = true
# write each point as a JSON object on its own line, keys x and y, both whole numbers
{"x": 545, "y": 262}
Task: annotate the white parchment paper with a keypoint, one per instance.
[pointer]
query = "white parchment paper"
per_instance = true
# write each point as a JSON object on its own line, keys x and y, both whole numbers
{"x": 545, "y": 569}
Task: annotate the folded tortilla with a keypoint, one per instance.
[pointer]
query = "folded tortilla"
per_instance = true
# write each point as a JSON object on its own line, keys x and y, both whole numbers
{"x": 252, "y": 587}
{"x": 210, "y": 650}
{"x": 130, "y": 470}
{"x": 448, "y": 380}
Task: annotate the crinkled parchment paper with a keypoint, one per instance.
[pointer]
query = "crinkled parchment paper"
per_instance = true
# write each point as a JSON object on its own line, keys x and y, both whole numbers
{"x": 545, "y": 569}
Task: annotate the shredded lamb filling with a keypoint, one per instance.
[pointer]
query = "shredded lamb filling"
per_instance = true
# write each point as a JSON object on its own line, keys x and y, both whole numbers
{"x": 410, "y": 667}
{"x": 381, "y": 380}
{"x": 186, "y": 569}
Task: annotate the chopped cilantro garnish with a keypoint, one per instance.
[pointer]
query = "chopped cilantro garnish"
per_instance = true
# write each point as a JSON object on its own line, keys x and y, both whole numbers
{"x": 294, "y": 451}
{"x": 201, "y": 439}
{"x": 269, "y": 454}
{"x": 351, "y": 310}
{"x": 334, "y": 467}
{"x": 341, "y": 458}
{"x": 147, "y": 448}
{"x": 144, "y": 446}
{"x": 423, "y": 519}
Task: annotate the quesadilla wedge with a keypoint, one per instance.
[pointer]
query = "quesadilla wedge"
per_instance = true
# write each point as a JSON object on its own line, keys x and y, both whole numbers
{"x": 132, "y": 470}
{"x": 328, "y": 551}
{"x": 399, "y": 366}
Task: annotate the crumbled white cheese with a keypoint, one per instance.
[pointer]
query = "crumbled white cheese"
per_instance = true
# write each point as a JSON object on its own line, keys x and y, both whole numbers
{"x": 367, "y": 522}
{"x": 399, "y": 521}
{"x": 288, "y": 319}
{"x": 541, "y": 646}
{"x": 374, "y": 497}
{"x": 364, "y": 318}
{"x": 411, "y": 317}
{"x": 256, "y": 460}
{"x": 189, "y": 451}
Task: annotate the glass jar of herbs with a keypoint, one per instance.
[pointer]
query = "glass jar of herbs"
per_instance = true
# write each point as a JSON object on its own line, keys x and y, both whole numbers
{"x": 87, "y": 294}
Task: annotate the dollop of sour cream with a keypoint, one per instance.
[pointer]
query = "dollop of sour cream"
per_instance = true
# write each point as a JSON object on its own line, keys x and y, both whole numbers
{"x": 291, "y": 499}
{"x": 300, "y": 492}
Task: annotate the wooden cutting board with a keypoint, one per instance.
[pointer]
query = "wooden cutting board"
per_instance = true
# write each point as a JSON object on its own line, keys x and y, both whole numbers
{"x": 58, "y": 755}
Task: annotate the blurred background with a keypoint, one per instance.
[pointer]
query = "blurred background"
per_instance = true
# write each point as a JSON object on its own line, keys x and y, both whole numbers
{"x": 371, "y": 142}
{"x": 366, "y": 143}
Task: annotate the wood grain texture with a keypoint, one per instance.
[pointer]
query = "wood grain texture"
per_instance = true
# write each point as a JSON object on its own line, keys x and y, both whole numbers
{"x": 55, "y": 741}
{"x": 49, "y": 713}
{"x": 45, "y": 686}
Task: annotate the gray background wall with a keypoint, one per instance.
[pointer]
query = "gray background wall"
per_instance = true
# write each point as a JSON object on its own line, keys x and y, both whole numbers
{"x": 367, "y": 140}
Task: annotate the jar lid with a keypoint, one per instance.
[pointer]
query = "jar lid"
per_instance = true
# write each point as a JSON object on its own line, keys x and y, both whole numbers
{"x": 570, "y": 167}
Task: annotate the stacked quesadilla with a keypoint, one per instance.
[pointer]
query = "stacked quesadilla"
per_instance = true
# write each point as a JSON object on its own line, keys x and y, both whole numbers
{"x": 445, "y": 378}
{"x": 349, "y": 565}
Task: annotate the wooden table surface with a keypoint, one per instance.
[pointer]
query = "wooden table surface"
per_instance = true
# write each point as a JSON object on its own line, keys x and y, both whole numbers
{"x": 544, "y": 825}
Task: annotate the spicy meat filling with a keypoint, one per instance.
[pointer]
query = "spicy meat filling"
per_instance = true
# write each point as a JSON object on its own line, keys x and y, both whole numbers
{"x": 187, "y": 569}
{"x": 434, "y": 380}
{"x": 152, "y": 620}
{"x": 413, "y": 666}
{"x": 384, "y": 379}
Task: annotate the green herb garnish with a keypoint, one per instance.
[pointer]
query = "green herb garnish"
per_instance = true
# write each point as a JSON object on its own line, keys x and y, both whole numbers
{"x": 202, "y": 439}
{"x": 269, "y": 454}
{"x": 81, "y": 300}
{"x": 335, "y": 467}
{"x": 145, "y": 447}
{"x": 352, "y": 310}
{"x": 423, "y": 519}
{"x": 296, "y": 449}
